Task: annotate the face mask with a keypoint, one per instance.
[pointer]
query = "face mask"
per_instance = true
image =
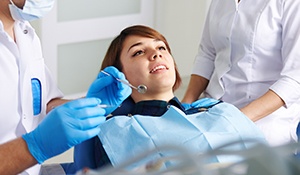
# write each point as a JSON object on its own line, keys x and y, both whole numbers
{"x": 33, "y": 9}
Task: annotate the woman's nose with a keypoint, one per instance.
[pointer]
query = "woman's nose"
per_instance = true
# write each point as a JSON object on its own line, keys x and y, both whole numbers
{"x": 156, "y": 55}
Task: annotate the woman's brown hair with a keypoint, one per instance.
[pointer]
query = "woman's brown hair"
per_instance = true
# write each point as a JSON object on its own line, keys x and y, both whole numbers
{"x": 112, "y": 57}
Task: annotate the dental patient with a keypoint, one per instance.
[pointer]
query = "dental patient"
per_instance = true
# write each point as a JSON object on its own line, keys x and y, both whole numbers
{"x": 146, "y": 121}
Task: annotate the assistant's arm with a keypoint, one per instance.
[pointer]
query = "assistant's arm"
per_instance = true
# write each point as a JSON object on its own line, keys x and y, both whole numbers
{"x": 263, "y": 106}
{"x": 286, "y": 90}
{"x": 196, "y": 86}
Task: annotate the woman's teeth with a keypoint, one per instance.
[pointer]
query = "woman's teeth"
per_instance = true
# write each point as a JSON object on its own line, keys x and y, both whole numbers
{"x": 161, "y": 67}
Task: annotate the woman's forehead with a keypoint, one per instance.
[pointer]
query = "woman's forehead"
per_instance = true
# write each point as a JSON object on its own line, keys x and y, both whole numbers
{"x": 138, "y": 40}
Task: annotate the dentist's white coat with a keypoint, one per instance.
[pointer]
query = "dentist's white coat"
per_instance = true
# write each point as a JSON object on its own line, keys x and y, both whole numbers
{"x": 21, "y": 61}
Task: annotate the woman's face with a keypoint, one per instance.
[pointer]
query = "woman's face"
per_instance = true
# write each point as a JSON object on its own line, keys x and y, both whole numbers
{"x": 147, "y": 61}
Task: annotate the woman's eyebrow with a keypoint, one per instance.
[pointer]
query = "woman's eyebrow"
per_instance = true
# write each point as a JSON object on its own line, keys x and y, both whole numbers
{"x": 136, "y": 44}
{"x": 140, "y": 43}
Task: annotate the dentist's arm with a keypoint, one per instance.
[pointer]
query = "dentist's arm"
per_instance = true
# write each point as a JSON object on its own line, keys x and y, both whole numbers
{"x": 15, "y": 157}
{"x": 65, "y": 126}
{"x": 54, "y": 103}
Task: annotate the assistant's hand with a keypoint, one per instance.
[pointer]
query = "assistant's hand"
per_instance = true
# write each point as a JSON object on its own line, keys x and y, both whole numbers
{"x": 109, "y": 90}
{"x": 64, "y": 127}
{"x": 203, "y": 102}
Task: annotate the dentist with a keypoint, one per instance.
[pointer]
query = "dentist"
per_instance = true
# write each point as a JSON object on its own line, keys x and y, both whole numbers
{"x": 35, "y": 122}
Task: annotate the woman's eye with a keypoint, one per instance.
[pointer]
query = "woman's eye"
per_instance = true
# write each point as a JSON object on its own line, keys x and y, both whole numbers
{"x": 162, "y": 48}
{"x": 138, "y": 53}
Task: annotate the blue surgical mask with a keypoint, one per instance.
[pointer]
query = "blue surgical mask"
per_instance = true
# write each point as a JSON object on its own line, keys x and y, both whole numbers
{"x": 33, "y": 9}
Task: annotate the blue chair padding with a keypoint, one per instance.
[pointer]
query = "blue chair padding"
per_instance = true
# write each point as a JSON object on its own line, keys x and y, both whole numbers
{"x": 298, "y": 132}
{"x": 84, "y": 153}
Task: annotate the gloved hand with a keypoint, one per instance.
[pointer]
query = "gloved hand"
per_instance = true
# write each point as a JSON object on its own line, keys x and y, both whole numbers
{"x": 64, "y": 127}
{"x": 203, "y": 102}
{"x": 109, "y": 90}
{"x": 186, "y": 106}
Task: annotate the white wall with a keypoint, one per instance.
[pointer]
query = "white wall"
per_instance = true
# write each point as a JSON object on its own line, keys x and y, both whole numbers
{"x": 181, "y": 22}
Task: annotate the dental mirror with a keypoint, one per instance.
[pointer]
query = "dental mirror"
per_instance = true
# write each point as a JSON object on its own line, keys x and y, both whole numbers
{"x": 141, "y": 88}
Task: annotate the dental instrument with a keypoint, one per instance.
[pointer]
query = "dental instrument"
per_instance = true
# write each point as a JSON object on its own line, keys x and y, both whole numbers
{"x": 104, "y": 106}
{"x": 141, "y": 88}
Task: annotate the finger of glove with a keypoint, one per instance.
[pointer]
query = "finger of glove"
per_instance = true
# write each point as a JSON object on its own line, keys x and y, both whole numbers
{"x": 85, "y": 135}
{"x": 88, "y": 123}
{"x": 99, "y": 84}
{"x": 88, "y": 112}
{"x": 77, "y": 137}
{"x": 123, "y": 90}
{"x": 110, "y": 70}
{"x": 82, "y": 103}
{"x": 121, "y": 86}
{"x": 120, "y": 90}
{"x": 114, "y": 97}
{"x": 121, "y": 94}
{"x": 115, "y": 72}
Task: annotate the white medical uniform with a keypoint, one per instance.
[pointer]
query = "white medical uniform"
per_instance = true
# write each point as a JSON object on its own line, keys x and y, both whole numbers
{"x": 248, "y": 48}
{"x": 20, "y": 62}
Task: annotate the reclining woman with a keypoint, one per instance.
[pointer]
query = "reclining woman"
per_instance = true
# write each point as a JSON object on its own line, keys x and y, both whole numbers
{"x": 144, "y": 56}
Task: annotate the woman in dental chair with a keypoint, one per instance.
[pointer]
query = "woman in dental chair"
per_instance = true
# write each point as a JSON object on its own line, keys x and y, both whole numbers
{"x": 148, "y": 120}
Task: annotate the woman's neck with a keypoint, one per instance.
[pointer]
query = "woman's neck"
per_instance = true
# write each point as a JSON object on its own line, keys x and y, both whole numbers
{"x": 137, "y": 97}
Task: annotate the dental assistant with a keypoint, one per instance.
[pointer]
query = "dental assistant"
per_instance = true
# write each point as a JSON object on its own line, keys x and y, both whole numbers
{"x": 249, "y": 56}
{"x": 35, "y": 123}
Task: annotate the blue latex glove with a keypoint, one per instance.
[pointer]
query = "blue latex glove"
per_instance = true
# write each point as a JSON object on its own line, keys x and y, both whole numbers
{"x": 65, "y": 126}
{"x": 109, "y": 90}
{"x": 186, "y": 105}
{"x": 203, "y": 102}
